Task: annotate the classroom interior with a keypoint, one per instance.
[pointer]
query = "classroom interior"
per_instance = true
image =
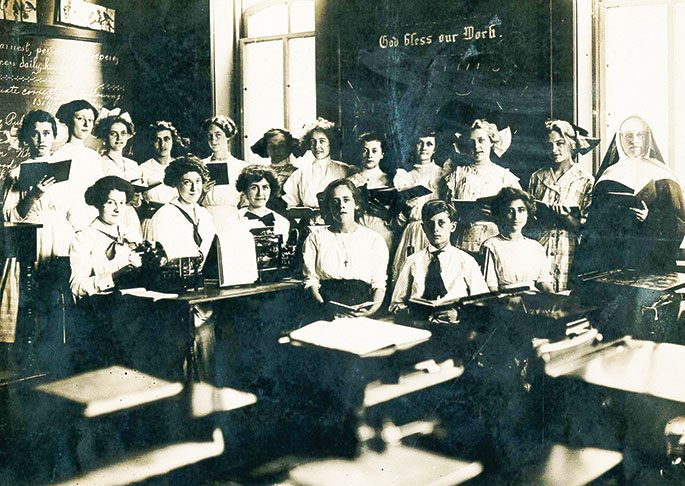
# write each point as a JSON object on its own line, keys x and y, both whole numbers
{"x": 576, "y": 389}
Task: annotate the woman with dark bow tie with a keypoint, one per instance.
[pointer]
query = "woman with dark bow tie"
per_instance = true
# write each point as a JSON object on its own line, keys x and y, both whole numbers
{"x": 259, "y": 185}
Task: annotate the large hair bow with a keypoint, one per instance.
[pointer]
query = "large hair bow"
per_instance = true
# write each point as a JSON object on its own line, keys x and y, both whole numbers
{"x": 104, "y": 113}
{"x": 499, "y": 146}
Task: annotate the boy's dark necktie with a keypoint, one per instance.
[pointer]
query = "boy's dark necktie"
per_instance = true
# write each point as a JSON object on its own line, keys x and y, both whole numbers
{"x": 434, "y": 287}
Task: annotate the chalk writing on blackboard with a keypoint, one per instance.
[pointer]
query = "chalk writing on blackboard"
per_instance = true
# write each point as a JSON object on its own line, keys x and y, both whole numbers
{"x": 42, "y": 73}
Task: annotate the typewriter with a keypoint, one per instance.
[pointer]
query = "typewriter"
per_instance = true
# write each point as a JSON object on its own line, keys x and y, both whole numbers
{"x": 275, "y": 257}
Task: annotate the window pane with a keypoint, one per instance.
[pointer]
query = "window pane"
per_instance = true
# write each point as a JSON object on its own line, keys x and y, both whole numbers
{"x": 262, "y": 91}
{"x": 302, "y": 91}
{"x": 302, "y": 16}
{"x": 270, "y": 21}
{"x": 637, "y": 69}
{"x": 679, "y": 67}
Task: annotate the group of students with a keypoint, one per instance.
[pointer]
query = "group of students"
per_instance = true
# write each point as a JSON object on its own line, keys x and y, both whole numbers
{"x": 96, "y": 219}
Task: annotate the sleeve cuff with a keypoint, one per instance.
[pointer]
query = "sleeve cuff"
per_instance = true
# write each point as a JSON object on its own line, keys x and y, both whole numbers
{"x": 104, "y": 282}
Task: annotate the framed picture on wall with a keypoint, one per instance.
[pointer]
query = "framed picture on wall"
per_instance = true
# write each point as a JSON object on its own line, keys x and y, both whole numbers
{"x": 21, "y": 10}
{"x": 85, "y": 14}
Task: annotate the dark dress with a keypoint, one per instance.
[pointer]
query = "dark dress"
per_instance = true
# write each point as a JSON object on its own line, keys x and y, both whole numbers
{"x": 614, "y": 239}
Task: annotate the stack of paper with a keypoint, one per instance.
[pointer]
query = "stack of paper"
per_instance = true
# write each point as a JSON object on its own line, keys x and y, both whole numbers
{"x": 359, "y": 335}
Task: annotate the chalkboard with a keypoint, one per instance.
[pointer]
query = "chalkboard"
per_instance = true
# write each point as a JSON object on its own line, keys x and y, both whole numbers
{"x": 402, "y": 64}
{"x": 38, "y": 72}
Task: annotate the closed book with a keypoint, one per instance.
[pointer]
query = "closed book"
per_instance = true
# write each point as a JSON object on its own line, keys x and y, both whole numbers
{"x": 218, "y": 172}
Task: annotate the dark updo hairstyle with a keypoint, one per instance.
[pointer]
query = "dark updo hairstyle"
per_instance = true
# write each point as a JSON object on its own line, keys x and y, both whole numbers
{"x": 295, "y": 146}
{"x": 499, "y": 205}
{"x": 327, "y": 199}
{"x": 372, "y": 137}
{"x": 97, "y": 194}
{"x": 423, "y": 131}
{"x": 226, "y": 124}
{"x": 103, "y": 127}
{"x": 182, "y": 165}
{"x": 324, "y": 126}
{"x": 162, "y": 125}
{"x": 255, "y": 173}
{"x": 65, "y": 113}
{"x": 437, "y": 206}
{"x": 28, "y": 124}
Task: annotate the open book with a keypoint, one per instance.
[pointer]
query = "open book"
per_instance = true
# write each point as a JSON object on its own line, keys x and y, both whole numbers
{"x": 433, "y": 305}
{"x": 545, "y": 212}
{"x": 31, "y": 173}
{"x": 359, "y": 335}
{"x": 390, "y": 195}
{"x": 622, "y": 199}
{"x": 352, "y": 307}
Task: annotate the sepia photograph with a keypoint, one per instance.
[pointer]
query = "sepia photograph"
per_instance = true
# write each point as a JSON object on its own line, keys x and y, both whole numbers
{"x": 342, "y": 242}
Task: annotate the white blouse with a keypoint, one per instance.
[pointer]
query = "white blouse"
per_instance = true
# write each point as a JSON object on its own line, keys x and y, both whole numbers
{"x": 91, "y": 270}
{"x": 372, "y": 179}
{"x": 128, "y": 169}
{"x": 302, "y": 187}
{"x": 152, "y": 173}
{"x": 512, "y": 262}
{"x": 52, "y": 210}
{"x": 86, "y": 168}
{"x": 173, "y": 230}
{"x": 359, "y": 255}
{"x": 223, "y": 201}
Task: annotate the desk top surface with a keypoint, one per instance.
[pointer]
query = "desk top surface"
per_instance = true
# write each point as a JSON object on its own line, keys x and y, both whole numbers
{"x": 637, "y": 366}
{"x": 211, "y": 293}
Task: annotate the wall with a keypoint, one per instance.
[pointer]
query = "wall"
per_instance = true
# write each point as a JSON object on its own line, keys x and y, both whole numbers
{"x": 395, "y": 65}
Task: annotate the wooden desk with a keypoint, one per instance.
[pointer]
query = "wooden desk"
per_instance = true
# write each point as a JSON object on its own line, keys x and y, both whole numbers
{"x": 213, "y": 294}
{"x": 630, "y": 389}
{"x": 632, "y": 365}
{"x": 181, "y": 310}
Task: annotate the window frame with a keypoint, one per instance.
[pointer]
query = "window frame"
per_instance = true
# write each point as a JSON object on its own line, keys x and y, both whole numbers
{"x": 285, "y": 39}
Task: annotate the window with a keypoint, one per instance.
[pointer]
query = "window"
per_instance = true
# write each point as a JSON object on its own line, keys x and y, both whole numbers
{"x": 278, "y": 68}
{"x": 641, "y": 71}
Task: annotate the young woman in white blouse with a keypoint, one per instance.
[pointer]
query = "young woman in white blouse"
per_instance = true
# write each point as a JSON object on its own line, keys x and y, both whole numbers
{"x": 475, "y": 177}
{"x": 511, "y": 259}
{"x": 370, "y": 175}
{"x": 115, "y": 131}
{"x": 259, "y": 185}
{"x": 165, "y": 140}
{"x": 222, "y": 201}
{"x": 424, "y": 172}
{"x": 345, "y": 262}
{"x": 278, "y": 145}
{"x": 106, "y": 248}
{"x": 47, "y": 203}
{"x": 182, "y": 226}
{"x": 302, "y": 188}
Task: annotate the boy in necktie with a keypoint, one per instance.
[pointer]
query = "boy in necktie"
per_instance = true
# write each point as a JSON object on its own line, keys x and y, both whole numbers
{"x": 440, "y": 271}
